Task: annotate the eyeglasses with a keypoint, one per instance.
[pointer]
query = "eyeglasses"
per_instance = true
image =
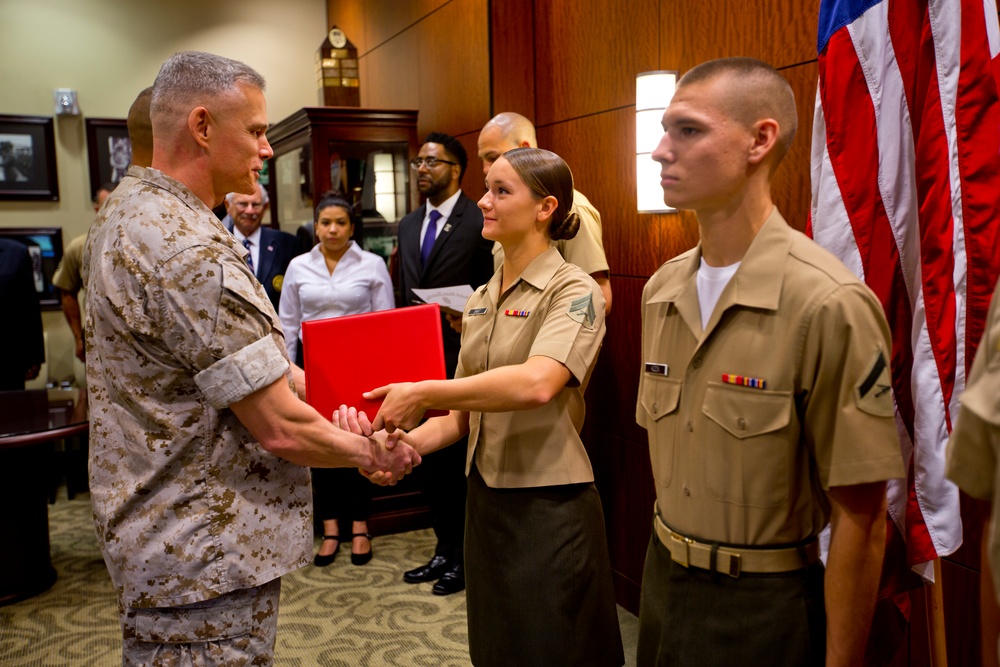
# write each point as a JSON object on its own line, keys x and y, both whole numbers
{"x": 431, "y": 162}
{"x": 243, "y": 205}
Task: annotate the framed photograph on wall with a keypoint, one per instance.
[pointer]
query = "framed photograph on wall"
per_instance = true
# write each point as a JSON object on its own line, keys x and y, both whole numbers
{"x": 28, "y": 159}
{"x": 46, "y": 248}
{"x": 109, "y": 151}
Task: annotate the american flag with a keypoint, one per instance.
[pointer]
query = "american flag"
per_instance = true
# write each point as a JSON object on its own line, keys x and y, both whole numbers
{"x": 906, "y": 191}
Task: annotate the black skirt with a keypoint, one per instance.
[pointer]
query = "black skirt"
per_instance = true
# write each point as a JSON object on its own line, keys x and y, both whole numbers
{"x": 538, "y": 576}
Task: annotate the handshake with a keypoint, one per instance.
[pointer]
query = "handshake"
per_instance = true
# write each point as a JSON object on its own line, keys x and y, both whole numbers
{"x": 392, "y": 456}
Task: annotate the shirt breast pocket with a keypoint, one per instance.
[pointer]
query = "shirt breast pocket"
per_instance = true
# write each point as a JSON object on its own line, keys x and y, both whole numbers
{"x": 660, "y": 398}
{"x": 242, "y": 292}
{"x": 748, "y": 444}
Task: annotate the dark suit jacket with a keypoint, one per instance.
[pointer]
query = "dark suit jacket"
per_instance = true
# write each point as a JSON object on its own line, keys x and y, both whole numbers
{"x": 276, "y": 250}
{"x": 21, "y": 343}
{"x": 461, "y": 256}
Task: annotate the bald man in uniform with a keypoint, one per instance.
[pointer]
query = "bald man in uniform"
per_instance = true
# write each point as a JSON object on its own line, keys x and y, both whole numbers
{"x": 766, "y": 394}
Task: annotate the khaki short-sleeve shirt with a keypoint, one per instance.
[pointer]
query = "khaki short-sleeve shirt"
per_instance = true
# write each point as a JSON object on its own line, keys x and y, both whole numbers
{"x": 68, "y": 276}
{"x": 586, "y": 249}
{"x": 785, "y": 394}
{"x": 553, "y": 310}
{"x": 975, "y": 441}
{"x": 187, "y": 504}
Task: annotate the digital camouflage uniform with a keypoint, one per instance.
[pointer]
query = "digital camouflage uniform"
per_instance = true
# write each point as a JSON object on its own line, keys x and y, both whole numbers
{"x": 188, "y": 506}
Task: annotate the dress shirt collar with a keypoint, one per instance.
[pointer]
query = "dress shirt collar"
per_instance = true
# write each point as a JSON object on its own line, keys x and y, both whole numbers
{"x": 446, "y": 207}
{"x": 254, "y": 238}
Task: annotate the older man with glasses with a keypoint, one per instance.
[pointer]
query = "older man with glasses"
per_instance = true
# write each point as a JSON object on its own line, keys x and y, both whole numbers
{"x": 441, "y": 244}
{"x": 270, "y": 249}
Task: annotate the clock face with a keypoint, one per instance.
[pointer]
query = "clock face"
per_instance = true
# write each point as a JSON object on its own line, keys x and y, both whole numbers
{"x": 338, "y": 39}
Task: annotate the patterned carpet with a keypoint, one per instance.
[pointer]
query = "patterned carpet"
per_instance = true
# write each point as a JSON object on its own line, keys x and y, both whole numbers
{"x": 338, "y": 616}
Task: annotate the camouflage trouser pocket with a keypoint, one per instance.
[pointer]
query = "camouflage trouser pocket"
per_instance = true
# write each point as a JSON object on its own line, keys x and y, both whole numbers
{"x": 234, "y": 628}
{"x": 202, "y": 622}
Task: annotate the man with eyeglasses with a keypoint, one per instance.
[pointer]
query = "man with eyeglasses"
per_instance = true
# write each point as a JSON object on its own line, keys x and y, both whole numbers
{"x": 270, "y": 249}
{"x": 441, "y": 244}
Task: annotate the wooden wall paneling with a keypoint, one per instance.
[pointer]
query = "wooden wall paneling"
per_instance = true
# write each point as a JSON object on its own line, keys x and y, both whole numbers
{"x": 454, "y": 72}
{"x": 587, "y": 54}
{"x": 791, "y": 188}
{"x": 975, "y": 514}
{"x": 961, "y": 613}
{"x": 625, "y": 481}
{"x": 600, "y": 149}
{"x": 385, "y": 19}
{"x": 512, "y": 57}
{"x": 678, "y": 233}
{"x": 390, "y": 76}
{"x": 349, "y": 16}
{"x": 472, "y": 182}
{"x": 614, "y": 385}
{"x": 780, "y": 32}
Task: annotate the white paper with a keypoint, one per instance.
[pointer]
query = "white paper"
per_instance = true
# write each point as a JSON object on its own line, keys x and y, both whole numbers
{"x": 451, "y": 299}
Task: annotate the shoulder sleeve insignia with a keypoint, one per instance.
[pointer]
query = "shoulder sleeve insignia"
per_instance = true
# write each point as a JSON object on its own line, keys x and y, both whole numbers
{"x": 873, "y": 393}
{"x": 582, "y": 311}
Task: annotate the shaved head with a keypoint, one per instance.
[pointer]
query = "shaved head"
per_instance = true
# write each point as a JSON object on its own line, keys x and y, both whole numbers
{"x": 514, "y": 128}
{"x": 755, "y": 91}
{"x": 504, "y": 132}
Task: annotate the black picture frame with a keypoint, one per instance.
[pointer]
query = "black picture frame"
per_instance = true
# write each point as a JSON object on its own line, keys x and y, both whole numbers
{"x": 46, "y": 249}
{"x": 28, "y": 159}
{"x": 109, "y": 151}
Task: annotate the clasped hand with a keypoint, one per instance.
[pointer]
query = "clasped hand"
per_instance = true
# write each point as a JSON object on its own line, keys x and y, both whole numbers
{"x": 401, "y": 406}
{"x": 392, "y": 459}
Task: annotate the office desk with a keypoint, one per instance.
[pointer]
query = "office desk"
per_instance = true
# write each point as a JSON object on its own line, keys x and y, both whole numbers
{"x": 29, "y": 422}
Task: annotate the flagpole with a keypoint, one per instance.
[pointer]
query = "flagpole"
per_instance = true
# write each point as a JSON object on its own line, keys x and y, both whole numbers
{"x": 935, "y": 619}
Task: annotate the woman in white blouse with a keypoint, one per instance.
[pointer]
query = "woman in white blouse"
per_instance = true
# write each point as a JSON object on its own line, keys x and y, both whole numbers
{"x": 335, "y": 278}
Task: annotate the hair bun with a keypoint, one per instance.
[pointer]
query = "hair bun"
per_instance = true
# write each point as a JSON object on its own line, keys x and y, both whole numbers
{"x": 567, "y": 229}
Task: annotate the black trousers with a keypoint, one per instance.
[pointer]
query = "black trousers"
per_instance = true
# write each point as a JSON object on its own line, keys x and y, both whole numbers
{"x": 689, "y": 616}
{"x": 341, "y": 493}
{"x": 445, "y": 486}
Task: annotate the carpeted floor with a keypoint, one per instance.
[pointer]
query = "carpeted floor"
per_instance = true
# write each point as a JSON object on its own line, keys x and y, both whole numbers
{"x": 338, "y": 616}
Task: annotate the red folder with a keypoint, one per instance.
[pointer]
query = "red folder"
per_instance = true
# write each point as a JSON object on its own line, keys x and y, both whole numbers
{"x": 346, "y": 356}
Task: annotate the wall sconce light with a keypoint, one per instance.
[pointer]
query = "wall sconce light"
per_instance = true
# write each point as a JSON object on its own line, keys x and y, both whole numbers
{"x": 66, "y": 102}
{"x": 653, "y": 91}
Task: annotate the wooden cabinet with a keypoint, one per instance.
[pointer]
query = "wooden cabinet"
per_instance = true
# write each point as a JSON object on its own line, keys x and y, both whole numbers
{"x": 364, "y": 154}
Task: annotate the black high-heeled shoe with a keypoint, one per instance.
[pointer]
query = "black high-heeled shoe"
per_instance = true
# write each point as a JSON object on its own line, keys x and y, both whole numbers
{"x": 361, "y": 559}
{"x": 323, "y": 561}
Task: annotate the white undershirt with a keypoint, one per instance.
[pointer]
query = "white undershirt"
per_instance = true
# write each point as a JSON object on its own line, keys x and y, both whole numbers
{"x": 711, "y": 281}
